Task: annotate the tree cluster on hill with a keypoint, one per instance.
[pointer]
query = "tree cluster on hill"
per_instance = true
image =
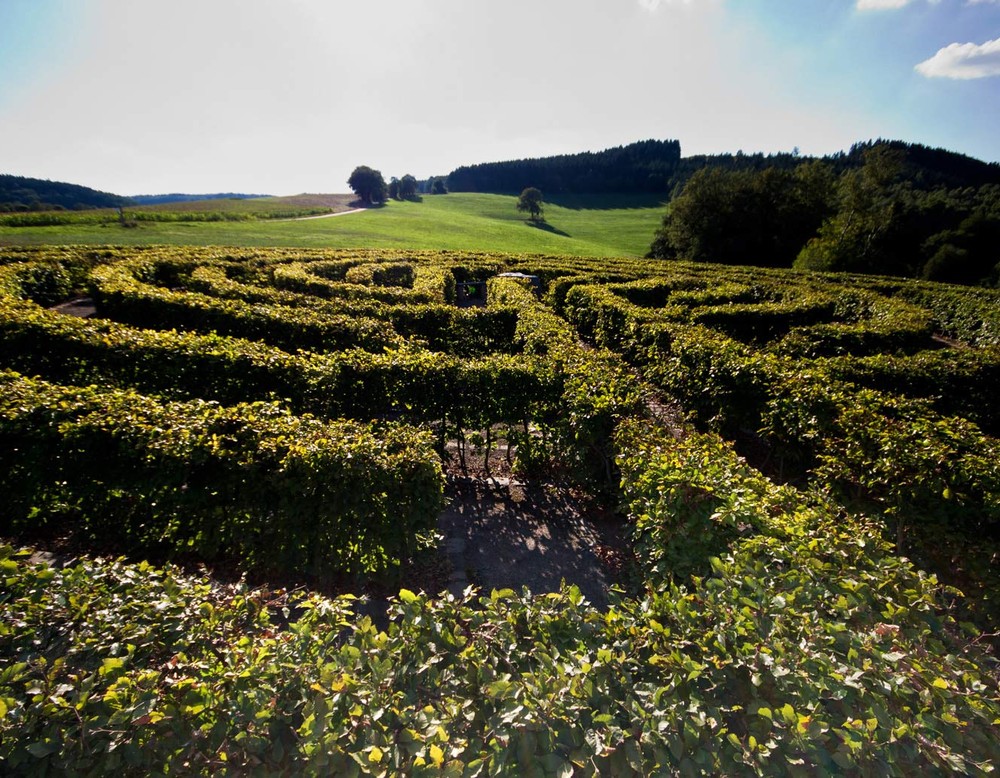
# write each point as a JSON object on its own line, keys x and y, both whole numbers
{"x": 33, "y": 194}
{"x": 646, "y": 166}
{"x": 883, "y": 208}
{"x": 405, "y": 188}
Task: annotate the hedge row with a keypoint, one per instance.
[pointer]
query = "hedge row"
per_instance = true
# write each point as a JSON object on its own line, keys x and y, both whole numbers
{"x": 800, "y": 640}
{"x": 409, "y": 383}
{"x": 398, "y": 274}
{"x": 597, "y": 391}
{"x": 258, "y": 313}
{"x": 969, "y": 315}
{"x": 247, "y": 482}
{"x": 297, "y": 277}
{"x": 959, "y": 382}
{"x": 934, "y": 480}
{"x": 808, "y": 417}
{"x": 120, "y": 296}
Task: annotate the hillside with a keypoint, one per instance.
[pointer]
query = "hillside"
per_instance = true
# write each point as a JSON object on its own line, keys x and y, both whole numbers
{"x": 581, "y": 225}
{"x": 176, "y": 197}
{"x": 18, "y": 193}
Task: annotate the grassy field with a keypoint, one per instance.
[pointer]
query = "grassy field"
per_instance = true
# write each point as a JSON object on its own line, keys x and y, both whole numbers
{"x": 257, "y": 206}
{"x": 581, "y": 225}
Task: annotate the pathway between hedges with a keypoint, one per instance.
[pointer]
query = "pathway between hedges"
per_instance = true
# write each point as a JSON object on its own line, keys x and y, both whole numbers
{"x": 501, "y": 533}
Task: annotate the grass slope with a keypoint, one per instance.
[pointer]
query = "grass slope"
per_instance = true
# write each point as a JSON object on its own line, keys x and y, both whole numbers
{"x": 582, "y": 225}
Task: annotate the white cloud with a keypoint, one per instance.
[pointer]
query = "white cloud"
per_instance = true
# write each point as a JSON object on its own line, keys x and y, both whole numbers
{"x": 891, "y": 5}
{"x": 963, "y": 61}
{"x": 879, "y": 5}
{"x": 652, "y": 5}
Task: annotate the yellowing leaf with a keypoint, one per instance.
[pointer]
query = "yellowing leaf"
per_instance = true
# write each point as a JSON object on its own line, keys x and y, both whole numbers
{"x": 375, "y": 755}
{"x": 941, "y": 683}
{"x": 437, "y": 755}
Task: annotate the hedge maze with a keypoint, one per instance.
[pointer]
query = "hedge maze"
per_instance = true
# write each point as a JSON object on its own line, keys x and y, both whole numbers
{"x": 816, "y": 529}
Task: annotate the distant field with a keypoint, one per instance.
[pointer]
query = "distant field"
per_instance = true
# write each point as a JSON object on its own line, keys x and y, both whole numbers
{"x": 580, "y": 225}
{"x": 258, "y": 206}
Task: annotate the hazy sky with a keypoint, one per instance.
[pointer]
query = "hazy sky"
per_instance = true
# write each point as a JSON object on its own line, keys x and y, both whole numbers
{"x": 288, "y": 96}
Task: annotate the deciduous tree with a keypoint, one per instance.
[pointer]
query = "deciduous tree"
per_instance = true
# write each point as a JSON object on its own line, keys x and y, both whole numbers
{"x": 368, "y": 184}
{"x": 407, "y": 187}
{"x": 530, "y": 201}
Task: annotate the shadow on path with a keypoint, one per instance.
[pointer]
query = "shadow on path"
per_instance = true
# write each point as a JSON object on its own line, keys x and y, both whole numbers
{"x": 515, "y": 535}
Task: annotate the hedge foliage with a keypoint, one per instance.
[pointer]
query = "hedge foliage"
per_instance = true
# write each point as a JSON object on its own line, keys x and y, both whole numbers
{"x": 245, "y": 482}
{"x": 778, "y": 625}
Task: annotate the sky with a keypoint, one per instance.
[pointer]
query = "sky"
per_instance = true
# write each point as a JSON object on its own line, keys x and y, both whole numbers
{"x": 288, "y": 96}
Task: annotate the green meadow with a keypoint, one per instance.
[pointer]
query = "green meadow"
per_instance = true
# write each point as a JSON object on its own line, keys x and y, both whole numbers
{"x": 579, "y": 225}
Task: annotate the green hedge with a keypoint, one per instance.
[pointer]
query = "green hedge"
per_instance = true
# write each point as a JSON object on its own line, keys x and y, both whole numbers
{"x": 399, "y": 274}
{"x": 597, "y": 391}
{"x": 409, "y": 383}
{"x": 803, "y": 655}
{"x": 296, "y": 277}
{"x": 248, "y": 482}
{"x": 959, "y": 382}
{"x": 119, "y": 295}
{"x": 801, "y": 642}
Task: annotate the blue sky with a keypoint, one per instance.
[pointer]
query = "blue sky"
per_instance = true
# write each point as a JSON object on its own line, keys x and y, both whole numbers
{"x": 288, "y": 96}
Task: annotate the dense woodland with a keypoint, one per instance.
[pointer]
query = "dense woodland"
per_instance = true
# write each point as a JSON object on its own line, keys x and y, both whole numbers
{"x": 18, "y": 193}
{"x": 884, "y": 208}
{"x": 646, "y": 166}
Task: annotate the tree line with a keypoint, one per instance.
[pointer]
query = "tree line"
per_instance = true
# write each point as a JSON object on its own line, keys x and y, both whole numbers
{"x": 18, "y": 193}
{"x": 370, "y": 186}
{"x": 646, "y": 166}
{"x": 882, "y": 208}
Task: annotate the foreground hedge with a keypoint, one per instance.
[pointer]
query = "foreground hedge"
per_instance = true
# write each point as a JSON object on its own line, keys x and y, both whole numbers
{"x": 250, "y": 482}
{"x": 806, "y": 649}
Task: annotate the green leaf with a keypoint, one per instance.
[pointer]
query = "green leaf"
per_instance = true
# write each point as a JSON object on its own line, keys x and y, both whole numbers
{"x": 43, "y": 748}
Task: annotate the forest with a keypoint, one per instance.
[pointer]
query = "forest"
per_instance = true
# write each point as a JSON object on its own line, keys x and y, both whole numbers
{"x": 885, "y": 208}
{"x": 646, "y": 166}
{"x": 18, "y": 193}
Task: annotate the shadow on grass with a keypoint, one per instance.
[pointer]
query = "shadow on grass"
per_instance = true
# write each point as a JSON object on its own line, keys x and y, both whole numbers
{"x": 541, "y": 224}
{"x": 609, "y": 202}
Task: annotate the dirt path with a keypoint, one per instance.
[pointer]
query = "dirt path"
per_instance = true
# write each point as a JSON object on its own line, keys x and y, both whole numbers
{"x": 324, "y": 215}
{"x": 500, "y": 533}
{"x": 82, "y": 307}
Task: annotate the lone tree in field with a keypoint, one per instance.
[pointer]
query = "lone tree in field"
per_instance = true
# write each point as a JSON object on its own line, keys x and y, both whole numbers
{"x": 531, "y": 201}
{"x": 368, "y": 184}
